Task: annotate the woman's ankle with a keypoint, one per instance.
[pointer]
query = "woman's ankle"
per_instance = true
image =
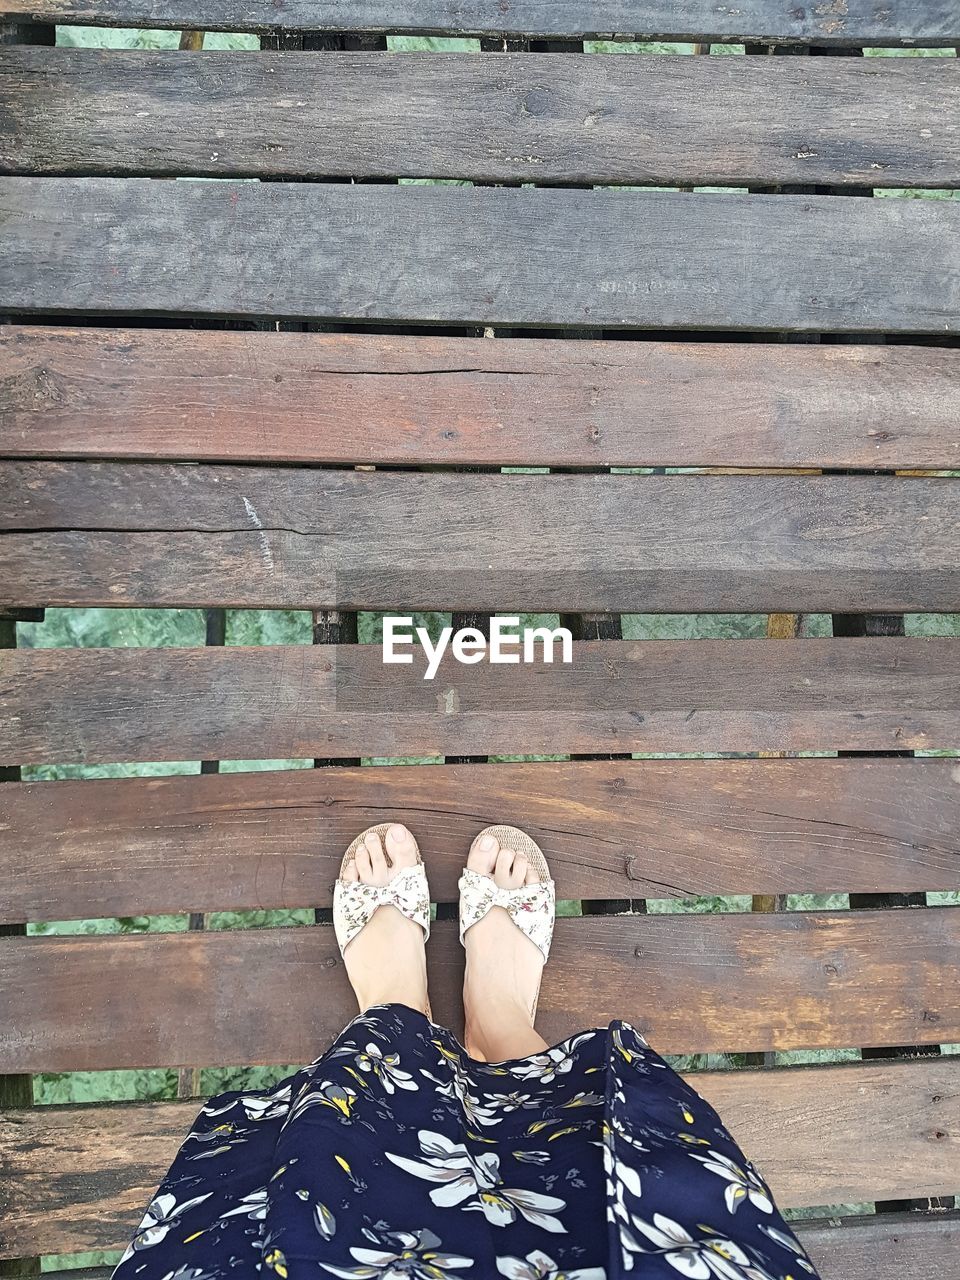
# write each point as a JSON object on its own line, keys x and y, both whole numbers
{"x": 501, "y": 1036}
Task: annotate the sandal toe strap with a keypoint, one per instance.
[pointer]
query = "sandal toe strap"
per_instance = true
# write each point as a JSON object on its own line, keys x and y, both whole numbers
{"x": 532, "y": 907}
{"x": 354, "y": 903}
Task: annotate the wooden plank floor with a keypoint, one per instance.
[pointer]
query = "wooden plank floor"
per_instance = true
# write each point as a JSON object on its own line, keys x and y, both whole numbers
{"x": 505, "y": 118}
{"x": 618, "y": 259}
{"x": 346, "y": 398}
{"x": 299, "y": 702}
{"x": 611, "y": 829}
{"x": 692, "y": 983}
{"x": 81, "y": 531}
{"x": 832, "y": 1134}
{"x": 886, "y": 1247}
{"x": 859, "y": 22}
{"x": 134, "y": 534}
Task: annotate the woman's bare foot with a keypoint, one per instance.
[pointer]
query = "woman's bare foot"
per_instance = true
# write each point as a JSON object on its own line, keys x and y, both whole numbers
{"x": 386, "y": 962}
{"x": 503, "y": 966}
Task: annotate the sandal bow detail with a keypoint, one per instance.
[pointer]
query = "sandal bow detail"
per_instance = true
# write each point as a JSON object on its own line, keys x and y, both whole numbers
{"x": 354, "y": 902}
{"x": 531, "y": 907}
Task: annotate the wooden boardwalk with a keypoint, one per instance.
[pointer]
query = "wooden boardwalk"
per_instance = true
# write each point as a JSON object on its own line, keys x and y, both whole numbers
{"x": 272, "y": 324}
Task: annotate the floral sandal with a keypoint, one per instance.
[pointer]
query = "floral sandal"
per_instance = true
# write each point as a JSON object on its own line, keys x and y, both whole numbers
{"x": 531, "y": 907}
{"x": 354, "y": 902}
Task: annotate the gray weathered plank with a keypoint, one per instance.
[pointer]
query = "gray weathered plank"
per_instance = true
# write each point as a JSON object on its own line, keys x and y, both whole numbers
{"x": 887, "y": 122}
{"x": 108, "y": 533}
{"x": 303, "y": 702}
{"x": 839, "y": 22}
{"x": 206, "y": 395}
{"x": 611, "y": 829}
{"x": 80, "y": 1177}
{"x": 487, "y": 255}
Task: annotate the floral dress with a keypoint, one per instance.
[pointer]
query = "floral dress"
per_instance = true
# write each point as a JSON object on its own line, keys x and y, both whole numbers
{"x": 395, "y": 1155}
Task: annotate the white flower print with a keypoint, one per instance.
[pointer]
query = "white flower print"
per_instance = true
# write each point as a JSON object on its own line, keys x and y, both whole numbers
{"x": 508, "y": 1102}
{"x": 463, "y": 1177}
{"x": 712, "y": 1255}
{"x": 259, "y": 1106}
{"x": 324, "y": 1221}
{"x": 538, "y": 1266}
{"x": 190, "y": 1273}
{"x": 386, "y": 1068}
{"x": 500, "y": 1205}
{"x": 552, "y": 1063}
{"x": 454, "y": 1088}
{"x": 224, "y": 1135}
{"x": 401, "y": 1255}
{"x": 340, "y": 1098}
{"x": 162, "y": 1214}
{"x": 786, "y": 1242}
{"x": 252, "y": 1205}
{"x": 744, "y": 1183}
{"x": 450, "y": 1164}
{"x": 621, "y": 1177}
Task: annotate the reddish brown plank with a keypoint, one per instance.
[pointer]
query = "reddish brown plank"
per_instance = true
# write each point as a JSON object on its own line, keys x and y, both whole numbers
{"x": 92, "y": 533}
{"x": 610, "y": 829}
{"x": 693, "y": 983}
{"x": 347, "y": 398}
{"x": 855, "y": 22}
{"x": 613, "y": 258}
{"x": 510, "y": 118}
{"x": 99, "y": 705}
{"x": 80, "y": 1177}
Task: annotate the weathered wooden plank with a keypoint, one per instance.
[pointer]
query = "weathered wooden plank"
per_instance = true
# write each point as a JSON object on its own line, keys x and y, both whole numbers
{"x": 348, "y": 398}
{"x": 616, "y": 829}
{"x": 694, "y": 983}
{"x": 78, "y": 1177}
{"x": 921, "y": 1246}
{"x": 88, "y": 533}
{"x": 613, "y": 258}
{"x": 513, "y": 117}
{"x": 854, "y": 22}
{"x": 275, "y": 702}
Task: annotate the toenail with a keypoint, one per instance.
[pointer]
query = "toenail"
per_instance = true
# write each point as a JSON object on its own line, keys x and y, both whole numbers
{"x": 397, "y": 831}
{"x": 488, "y": 844}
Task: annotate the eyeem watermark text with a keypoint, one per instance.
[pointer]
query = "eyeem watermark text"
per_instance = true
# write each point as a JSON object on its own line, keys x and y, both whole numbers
{"x": 508, "y": 643}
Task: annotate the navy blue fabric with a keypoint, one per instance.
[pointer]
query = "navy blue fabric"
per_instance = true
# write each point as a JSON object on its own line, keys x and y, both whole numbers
{"x": 396, "y": 1155}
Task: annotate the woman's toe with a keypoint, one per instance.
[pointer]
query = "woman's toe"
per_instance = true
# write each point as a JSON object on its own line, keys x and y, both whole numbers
{"x": 532, "y": 876}
{"x": 482, "y": 857}
{"x": 503, "y": 872}
{"x": 401, "y": 846}
{"x": 350, "y": 873}
{"x": 518, "y": 873}
{"x": 363, "y": 865}
{"x": 378, "y": 859}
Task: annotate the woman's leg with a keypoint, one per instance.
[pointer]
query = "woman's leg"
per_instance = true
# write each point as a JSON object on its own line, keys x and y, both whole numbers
{"x": 503, "y": 966}
{"x": 386, "y": 962}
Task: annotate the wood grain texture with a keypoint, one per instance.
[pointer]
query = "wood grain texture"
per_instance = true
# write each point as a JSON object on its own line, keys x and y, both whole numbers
{"x": 300, "y": 702}
{"x": 613, "y": 258}
{"x": 348, "y": 398}
{"x": 88, "y": 533}
{"x": 919, "y": 1245}
{"x": 852, "y": 22}
{"x": 884, "y": 1247}
{"x": 80, "y": 1177}
{"x": 692, "y": 983}
{"x": 610, "y": 829}
{"x": 506, "y": 117}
